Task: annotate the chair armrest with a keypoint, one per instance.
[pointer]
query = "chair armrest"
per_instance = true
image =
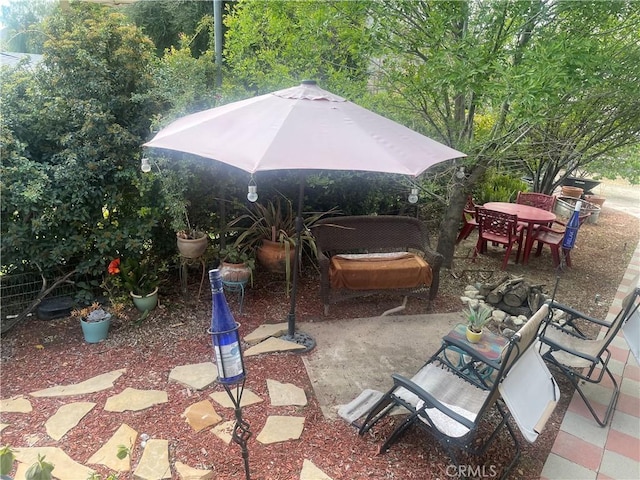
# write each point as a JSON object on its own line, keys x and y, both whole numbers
{"x": 562, "y": 348}
{"x": 576, "y": 314}
{"x": 429, "y": 400}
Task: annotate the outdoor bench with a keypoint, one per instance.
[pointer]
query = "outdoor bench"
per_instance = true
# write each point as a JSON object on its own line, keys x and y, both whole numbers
{"x": 374, "y": 254}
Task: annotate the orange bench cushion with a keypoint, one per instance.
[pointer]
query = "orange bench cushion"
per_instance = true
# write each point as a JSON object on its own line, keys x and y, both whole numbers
{"x": 379, "y": 271}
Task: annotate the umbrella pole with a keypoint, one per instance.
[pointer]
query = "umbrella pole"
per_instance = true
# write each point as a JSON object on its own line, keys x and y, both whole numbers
{"x": 301, "y": 338}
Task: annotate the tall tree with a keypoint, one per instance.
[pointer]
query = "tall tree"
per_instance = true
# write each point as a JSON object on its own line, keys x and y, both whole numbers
{"x": 71, "y": 134}
{"x": 496, "y": 78}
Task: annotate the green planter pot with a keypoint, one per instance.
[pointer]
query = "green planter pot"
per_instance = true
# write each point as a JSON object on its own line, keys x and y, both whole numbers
{"x": 146, "y": 302}
{"x": 95, "y": 332}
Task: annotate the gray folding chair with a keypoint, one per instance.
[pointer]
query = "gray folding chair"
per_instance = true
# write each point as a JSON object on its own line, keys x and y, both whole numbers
{"x": 450, "y": 405}
{"x": 584, "y": 359}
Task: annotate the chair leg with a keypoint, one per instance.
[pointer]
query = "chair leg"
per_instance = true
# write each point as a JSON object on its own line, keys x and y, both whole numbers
{"x": 397, "y": 433}
{"x": 567, "y": 257}
{"x": 465, "y": 231}
{"x": 612, "y": 403}
{"x": 505, "y": 261}
{"x": 377, "y": 412}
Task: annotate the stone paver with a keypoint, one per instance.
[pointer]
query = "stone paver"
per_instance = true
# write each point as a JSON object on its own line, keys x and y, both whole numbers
{"x": 197, "y": 376}
{"x": 272, "y": 345}
{"x": 15, "y": 405}
{"x": 66, "y": 418}
{"x": 108, "y": 454}
{"x": 3, "y": 426}
{"x": 185, "y": 472}
{"x": 224, "y": 431}
{"x": 201, "y": 415}
{"x": 311, "y": 472}
{"x": 92, "y": 385}
{"x": 280, "y": 429}
{"x": 65, "y": 467}
{"x": 265, "y": 331}
{"x": 154, "y": 463}
{"x": 248, "y": 398}
{"x": 134, "y": 399}
{"x": 285, "y": 394}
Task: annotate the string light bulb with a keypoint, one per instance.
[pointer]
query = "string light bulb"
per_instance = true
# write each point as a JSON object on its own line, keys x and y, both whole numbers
{"x": 252, "y": 190}
{"x": 145, "y": 166}
{"x": 413, "y": 196}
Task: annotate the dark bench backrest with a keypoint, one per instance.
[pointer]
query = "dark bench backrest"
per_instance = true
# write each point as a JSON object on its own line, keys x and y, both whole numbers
{"x": 371, "y": 233}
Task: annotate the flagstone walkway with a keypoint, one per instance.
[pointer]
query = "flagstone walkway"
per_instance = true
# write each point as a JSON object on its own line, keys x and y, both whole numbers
{"x": 155, "y": 463}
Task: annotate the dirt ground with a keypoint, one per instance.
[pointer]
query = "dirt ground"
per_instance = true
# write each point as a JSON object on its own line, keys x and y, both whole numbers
{"x": 39, "y": 354}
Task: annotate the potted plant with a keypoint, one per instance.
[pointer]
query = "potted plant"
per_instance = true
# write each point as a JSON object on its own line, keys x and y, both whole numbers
{"x": 95, "y": 320}
{"x": 236, "y": 264}
{"x": 477, "y": 317}
{"x": 192, "y": 243}
{"x": 270, "y": 230}
{"x": 140, "y": 278}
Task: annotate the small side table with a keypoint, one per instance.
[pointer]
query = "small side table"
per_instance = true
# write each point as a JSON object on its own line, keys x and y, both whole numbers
{"x": 236, "y": 287}
{"x": 185, "y": 263}
{"x": 488, "y": 349}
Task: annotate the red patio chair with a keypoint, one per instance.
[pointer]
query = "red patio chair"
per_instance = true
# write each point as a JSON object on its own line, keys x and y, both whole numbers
{"x": 538, "y": 200}
{"x": 469, "y": 219}
{"x": 553, "y": 237}
{"x": 498, "y": 228}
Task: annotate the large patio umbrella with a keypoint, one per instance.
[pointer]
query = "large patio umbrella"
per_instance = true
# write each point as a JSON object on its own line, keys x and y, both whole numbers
{"x": 303, "y": 127}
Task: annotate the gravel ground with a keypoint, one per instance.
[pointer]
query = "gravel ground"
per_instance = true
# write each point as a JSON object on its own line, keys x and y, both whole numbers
{"x": 40, "y": 354}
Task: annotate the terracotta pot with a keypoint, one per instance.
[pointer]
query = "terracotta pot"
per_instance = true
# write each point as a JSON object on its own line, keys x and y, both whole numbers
{"x": 595, "y": 199}
{"x": 235, "y": 272}
{"x": 192, "y": 248}
{"x": 273, "y": 257}
{"x": 574, "y": 192}
{"x": 473, "y": 337}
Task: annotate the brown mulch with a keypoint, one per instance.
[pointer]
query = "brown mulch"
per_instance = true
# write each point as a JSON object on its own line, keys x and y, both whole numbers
{"x": 40, "y": 354}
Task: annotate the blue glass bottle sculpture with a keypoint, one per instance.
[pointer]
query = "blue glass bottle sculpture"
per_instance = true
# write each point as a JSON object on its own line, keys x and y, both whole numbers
{"x": 224, "y": 333}
{"x": 571, "y": 232}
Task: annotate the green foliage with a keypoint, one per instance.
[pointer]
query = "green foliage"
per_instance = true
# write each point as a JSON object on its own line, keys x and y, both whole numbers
{"x": 41, "y": 470}
{"x": 6, "y": 459}
{"x": 70, "y": 145}
{"x": 276, "y": 44}
{"x": 20, "y": 19}
{"x": 497, "y": 187}
{"x": 171, "y": 22}
{"x": 477, "y": 317}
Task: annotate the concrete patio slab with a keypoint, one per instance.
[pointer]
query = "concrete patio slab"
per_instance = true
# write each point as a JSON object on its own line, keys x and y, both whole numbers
{"x": 354, "y": 355}
{"x": 360, "y": 405}
{"x": 66, "y": 418}
{"x": 92, "y": 385}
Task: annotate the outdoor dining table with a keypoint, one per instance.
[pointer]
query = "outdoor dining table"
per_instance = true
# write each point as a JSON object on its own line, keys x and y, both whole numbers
{"x": 531, "y": 216}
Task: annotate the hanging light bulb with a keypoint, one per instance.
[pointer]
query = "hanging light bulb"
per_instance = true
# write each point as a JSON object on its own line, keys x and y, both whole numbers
{"x": 413, "y": 196}
{"x": 460, "y": 173}
{"x": 252, "y": 191}
{"x": 145, "y": 166}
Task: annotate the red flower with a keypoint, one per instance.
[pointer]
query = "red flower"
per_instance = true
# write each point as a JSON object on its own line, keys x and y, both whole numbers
{"x": 114, "y": 267}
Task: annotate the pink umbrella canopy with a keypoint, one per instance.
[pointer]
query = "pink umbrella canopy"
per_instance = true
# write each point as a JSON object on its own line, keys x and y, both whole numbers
{"x": 303, "y": 127}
